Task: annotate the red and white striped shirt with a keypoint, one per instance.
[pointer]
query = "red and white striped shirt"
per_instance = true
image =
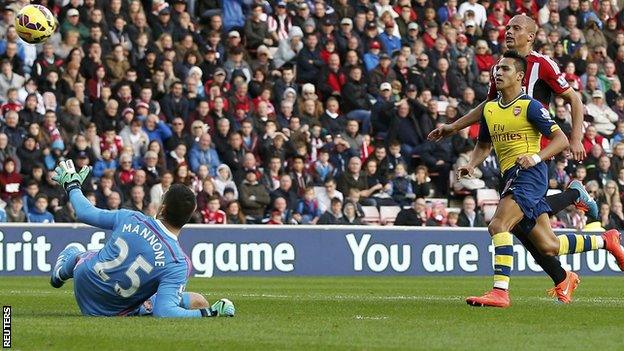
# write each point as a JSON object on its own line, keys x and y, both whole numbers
{"x": 541, "y": 80}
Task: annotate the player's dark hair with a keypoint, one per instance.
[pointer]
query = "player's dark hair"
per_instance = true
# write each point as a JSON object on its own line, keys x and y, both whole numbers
{"x": 519, "y": 60}
{"x": 180, "y": 203}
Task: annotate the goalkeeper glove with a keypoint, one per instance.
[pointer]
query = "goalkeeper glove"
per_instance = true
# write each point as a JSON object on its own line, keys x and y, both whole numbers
{"x": 67, "y": 176}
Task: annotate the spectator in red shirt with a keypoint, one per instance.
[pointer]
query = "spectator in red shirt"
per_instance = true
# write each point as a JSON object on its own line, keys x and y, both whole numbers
{"x": 10, "y": 181}
{"x": 212, "y": 214}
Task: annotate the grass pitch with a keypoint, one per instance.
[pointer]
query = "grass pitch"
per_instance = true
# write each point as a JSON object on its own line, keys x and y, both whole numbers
{"x": 332, "y": 314}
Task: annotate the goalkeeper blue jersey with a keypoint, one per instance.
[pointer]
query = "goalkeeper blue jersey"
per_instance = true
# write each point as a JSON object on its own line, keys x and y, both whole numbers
{"x": 140, "y": 258}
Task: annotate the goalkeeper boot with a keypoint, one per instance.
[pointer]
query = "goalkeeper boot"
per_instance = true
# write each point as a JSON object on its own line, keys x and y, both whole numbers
{"x": 492, "y": 298}
{"x": 563, "y": 291}
{"x": 64, "y": 263}
{"x": 222, "y": 308}
{"x": 612, "y": 244}
{"x": 584, "y": 202}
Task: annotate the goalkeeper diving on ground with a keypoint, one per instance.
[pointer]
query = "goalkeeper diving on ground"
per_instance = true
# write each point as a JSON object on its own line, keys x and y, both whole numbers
{"x": 142, "y": 269}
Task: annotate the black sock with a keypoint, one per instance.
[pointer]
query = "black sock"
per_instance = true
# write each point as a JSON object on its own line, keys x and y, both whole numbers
{"x": 551, "y": 265}
{"x": 562, "y": 200}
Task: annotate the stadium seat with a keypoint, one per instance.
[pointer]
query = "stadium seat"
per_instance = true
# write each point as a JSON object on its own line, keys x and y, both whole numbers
{"x": 371, "y": 215}
{"x": 453, "y": 210}
{"x": 388, "y": 214}
{"x": 432, "y": 200}
{"x": 488, "y": 211}
{"x": 487, "y": 196}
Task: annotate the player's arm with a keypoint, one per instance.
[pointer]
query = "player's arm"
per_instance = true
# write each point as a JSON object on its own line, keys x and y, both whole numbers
{"x": 576, "y": 137}
{"x": 71, "y": 180}
{"x": 89, "y": 214}
{"x": 168, "y": 301}
{"x": 481, "y": 151}
{"x": 550, "y": 73}
{"x": 540, "y": 117}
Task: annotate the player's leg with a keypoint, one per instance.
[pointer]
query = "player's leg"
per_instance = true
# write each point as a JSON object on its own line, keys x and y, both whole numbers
{"x": 551, "y": 245}
{"x": 64, "y": 267}
{"x": 550, "y": 264}
{"x": 575, "y": 194}
{"x": 507, "y": 215}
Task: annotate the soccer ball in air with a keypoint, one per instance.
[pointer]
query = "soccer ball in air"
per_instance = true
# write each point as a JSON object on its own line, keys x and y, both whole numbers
{"x": 35, "y": 24}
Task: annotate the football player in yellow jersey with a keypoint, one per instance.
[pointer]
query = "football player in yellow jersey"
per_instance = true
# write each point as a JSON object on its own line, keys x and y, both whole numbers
{"x": 513, "y": 124}
{"x": 520, "y": 36}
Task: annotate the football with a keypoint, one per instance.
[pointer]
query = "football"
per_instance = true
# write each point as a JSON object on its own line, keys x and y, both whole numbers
{"x": 35, "y": 24}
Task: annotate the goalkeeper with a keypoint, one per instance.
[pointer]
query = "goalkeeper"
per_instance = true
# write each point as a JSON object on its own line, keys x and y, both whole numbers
{"x": 141, "y": 258}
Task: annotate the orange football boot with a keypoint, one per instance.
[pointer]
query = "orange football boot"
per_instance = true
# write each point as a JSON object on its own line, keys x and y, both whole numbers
{"x": 492, "y": 298}
{"x": 563, "y": 291}
{"x": 612, "y": 244}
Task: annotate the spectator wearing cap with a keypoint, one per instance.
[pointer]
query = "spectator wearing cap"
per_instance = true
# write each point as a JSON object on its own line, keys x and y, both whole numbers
{"x": 411, "y": 36}
{"x": 280, "y": 22}
{"x": 382, "y": 111}
{"x": 309, "y": 62}
{"x": 480, "y": 15}
{"x": 164, "y": 23}
{"x": 344, "y": 34}
{"x": 389, "y": 41}
{"x": 302, "y": 14}
{"x": 604, "y": 117}
{"x": 72, "y": 24}
{"x": 383, "y": 73}
{"x": 371, "y": 58}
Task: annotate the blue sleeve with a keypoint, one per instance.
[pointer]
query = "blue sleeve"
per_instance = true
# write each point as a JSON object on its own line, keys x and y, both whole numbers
{"x": 98, "y": 169}
{"x": 540, "y": 118}
{"x": 193, "y": 160}
{"x": 91, "y": 215}
{"x": 169, "y": 297}
{"x": 164, "y": 130}
{"x": 484, "y": 132}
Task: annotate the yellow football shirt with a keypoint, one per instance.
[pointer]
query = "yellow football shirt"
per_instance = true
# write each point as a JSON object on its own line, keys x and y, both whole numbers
{"x": 515, "y": 129}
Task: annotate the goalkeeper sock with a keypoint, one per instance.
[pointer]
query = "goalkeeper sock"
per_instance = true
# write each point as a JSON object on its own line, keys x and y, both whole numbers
{"x": 574, "y": 243}
{"x": 503, "y": 259}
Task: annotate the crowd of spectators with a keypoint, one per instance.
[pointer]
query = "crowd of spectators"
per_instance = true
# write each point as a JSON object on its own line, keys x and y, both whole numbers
{"x": 290, "y": 112}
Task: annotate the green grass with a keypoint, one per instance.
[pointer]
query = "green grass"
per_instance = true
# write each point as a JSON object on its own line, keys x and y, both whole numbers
{"x": 331, "y": 314}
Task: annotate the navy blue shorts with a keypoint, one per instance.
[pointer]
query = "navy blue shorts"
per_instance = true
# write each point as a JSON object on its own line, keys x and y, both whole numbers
{"x": 528, "y": 188}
